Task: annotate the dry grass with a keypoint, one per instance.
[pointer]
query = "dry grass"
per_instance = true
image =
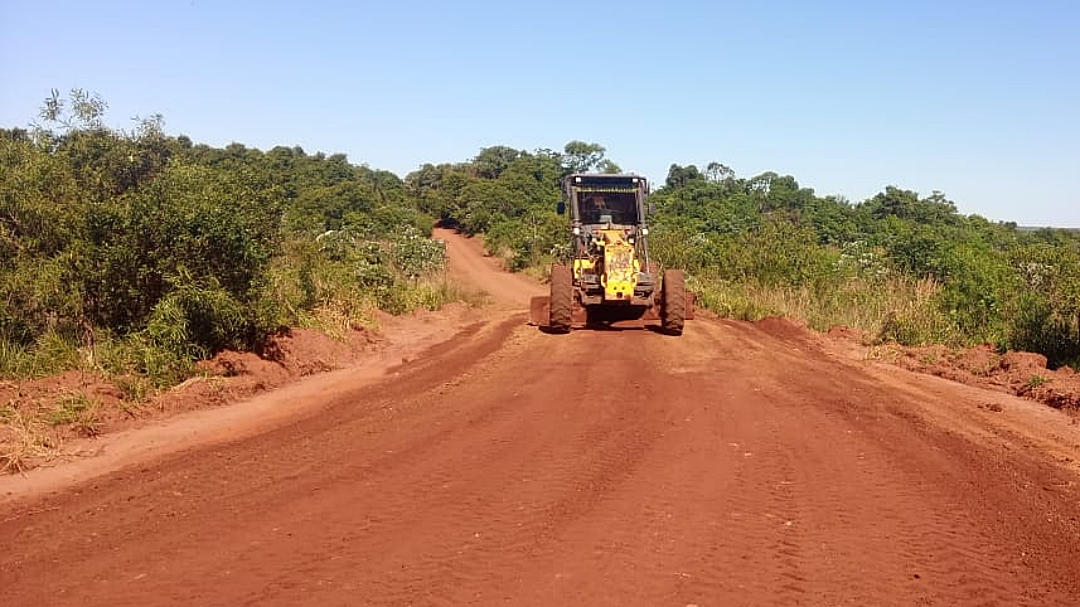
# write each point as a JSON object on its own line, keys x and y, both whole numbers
{"x": 338, "y": 317}
{"x": 904, "y": 310}
{"x": 24, "y": 440}
{"x": 341, "y": 315}
{"x": 435, "y": 292}
{"x": 81, "y": 413}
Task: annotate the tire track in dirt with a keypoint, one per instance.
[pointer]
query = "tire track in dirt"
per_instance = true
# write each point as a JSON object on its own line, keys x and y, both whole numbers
{"x": 288, "y": 481}
{"x": 946, "y": 538}
{"x": 488, "y": 527}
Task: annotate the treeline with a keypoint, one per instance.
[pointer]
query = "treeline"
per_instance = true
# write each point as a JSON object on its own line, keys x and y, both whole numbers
{"x": 901, "y": 266}
{"x": 138, "y": 252}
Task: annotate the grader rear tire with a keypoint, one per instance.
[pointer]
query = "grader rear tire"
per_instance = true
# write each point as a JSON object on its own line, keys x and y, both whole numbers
{"x": 562, "y": 298}
{"x": 673, "y": 302}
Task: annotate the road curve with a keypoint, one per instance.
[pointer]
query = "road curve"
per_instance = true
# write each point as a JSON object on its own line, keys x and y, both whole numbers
{"x": 739, "y": 464}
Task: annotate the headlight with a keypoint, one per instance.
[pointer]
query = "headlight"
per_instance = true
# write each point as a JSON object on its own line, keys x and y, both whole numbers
{"x": 577, "y": 231}
{"x": 644, "y": 231}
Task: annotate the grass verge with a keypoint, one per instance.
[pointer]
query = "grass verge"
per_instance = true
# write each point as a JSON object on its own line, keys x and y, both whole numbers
{"x": 901, "y": 310}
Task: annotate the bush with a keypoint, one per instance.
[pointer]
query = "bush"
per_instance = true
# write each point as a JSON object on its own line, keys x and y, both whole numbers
{"x": 1038, "y": 327}
{"x": 191, "y": 225}
{"x": 137, "y": 252}
{"x": 1044, "y": 308}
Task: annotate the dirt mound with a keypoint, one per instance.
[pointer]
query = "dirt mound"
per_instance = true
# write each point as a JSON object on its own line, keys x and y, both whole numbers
{"x": 845, "y": 332}
{"x": 232, "y": 375}
{"x": 67, "y": 383}
{"x": 39, "y": 416}
{"x": 1020, "y": 373}
{"x": 784, "y": 329}
{"x": 298, "y": 353}
{"x": 1022, "y": 363}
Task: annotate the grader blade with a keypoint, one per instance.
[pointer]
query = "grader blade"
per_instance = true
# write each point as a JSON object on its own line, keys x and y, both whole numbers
{"x": 539, "y": 311}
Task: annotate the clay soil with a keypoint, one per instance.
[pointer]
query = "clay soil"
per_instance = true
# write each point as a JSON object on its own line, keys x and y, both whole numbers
{"x": 739, "y": 464}
{"x": 105, "y": 408}
{"x": 1020, "y": 373}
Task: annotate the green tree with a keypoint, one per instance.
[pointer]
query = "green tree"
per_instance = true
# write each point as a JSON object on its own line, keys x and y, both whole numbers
{"x": 682, "y": 176}
{"x": 492, "y": 161}
{"x": 581, "y": 157}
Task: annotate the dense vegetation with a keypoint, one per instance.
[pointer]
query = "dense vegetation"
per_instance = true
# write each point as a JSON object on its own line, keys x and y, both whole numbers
{"x": 901, "y": 266}
{"x": 135, "y": 253}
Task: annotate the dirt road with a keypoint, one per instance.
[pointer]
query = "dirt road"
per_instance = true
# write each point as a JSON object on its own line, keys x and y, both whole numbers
{"x": 739, "y": 464}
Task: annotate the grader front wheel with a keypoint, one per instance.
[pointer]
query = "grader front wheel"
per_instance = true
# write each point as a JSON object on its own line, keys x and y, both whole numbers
{"x": 562, "y": 298}
{"x": 673, "y": 302}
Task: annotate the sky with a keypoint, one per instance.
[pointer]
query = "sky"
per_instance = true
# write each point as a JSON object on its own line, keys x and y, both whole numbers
{"x": 975, "y": 99}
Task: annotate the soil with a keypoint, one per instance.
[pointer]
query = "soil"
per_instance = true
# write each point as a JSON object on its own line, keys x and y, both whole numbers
{"x": 1020, "y": 373}
{"x": 738, "y": 464}
{"x": 227, "y": 378}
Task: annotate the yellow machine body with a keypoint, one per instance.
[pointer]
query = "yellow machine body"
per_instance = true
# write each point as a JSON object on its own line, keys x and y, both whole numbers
{"x": 619, "y": 276}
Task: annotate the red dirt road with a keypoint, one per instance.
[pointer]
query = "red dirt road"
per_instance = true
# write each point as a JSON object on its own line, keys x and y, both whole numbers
{"x": 739, "y": 464}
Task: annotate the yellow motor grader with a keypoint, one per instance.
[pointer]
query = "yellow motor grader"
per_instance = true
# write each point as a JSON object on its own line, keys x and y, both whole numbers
{"x": 610, "y": 277}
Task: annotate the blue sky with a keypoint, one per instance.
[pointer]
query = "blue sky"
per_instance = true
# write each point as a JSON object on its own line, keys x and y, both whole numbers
{"x": 977, "y": 99}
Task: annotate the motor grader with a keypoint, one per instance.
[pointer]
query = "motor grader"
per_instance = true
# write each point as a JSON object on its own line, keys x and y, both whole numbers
{"x": 610, "y": 276}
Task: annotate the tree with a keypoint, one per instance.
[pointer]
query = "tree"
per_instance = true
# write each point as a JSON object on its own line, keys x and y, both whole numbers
{"x": 82, "y": 110}
{"x": 679, "y": 176}
{"x": 609, "y": 167}
{"x": 906, "y": 205}
{"x": 492, "y": 161}
{"x": 717, "y": 172}
{"x": 581, "y": 157}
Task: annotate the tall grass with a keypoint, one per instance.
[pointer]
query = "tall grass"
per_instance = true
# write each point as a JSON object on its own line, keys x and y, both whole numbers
{"x": 900, "y": 309}
{"x": 52, "y": 353}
